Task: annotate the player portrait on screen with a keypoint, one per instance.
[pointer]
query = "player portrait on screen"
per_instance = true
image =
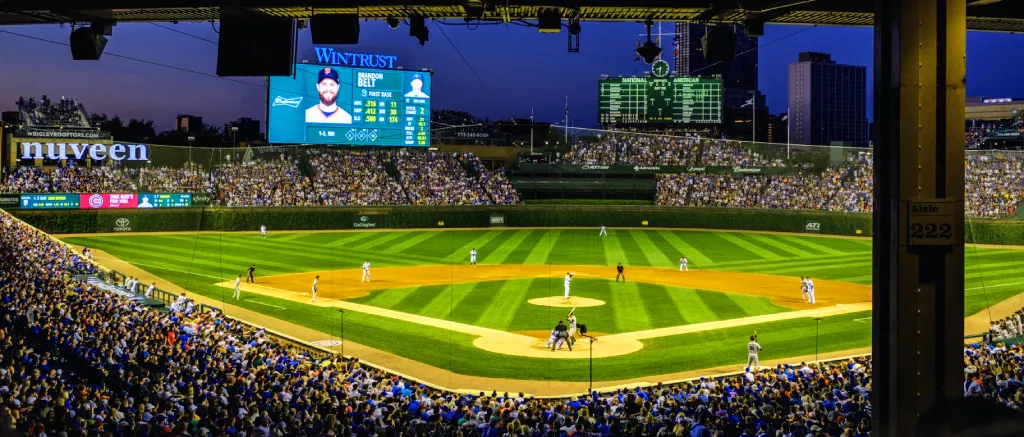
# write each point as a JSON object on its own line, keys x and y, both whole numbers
{"x": 145, "y": 203}
{"x": 327, "y": 110}
{"x": 417, "y": 87}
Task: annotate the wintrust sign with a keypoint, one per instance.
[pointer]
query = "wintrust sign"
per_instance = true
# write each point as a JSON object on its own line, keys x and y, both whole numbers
{"x": 98, "y": 152}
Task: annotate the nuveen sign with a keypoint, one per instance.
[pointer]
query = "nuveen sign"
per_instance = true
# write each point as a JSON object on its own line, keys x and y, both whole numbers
{"x": 98, "y": 152}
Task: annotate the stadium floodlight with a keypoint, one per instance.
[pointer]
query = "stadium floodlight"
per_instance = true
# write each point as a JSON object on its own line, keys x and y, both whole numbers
{"x": 418, "y": 29}
{"x": 649, "y": 51}
{"x": 549, "y": 20}
{"x": 393, "y": 22}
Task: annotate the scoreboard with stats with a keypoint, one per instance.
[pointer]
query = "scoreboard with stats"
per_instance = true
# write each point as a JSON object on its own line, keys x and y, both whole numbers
{"x": 695, "y": 100}
{"x": 105, "y": 200}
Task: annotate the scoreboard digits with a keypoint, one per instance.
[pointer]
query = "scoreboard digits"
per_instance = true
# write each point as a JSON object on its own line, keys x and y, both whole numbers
{"x": 693, "y": 100}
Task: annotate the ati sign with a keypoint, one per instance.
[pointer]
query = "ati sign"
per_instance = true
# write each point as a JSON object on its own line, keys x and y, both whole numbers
{"x": 327, "y": 55}
{"x": 813, "y": 227}
{"x": 497, "y": 219}
{"x": 98, "y": 152}
{"x": 122, "y": 225}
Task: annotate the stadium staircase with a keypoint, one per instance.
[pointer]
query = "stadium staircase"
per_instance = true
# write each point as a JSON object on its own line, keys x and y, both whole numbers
{"x": 848, "y": 176}
{"x": 392, "y": 170}
{"x": 306, "y": 167}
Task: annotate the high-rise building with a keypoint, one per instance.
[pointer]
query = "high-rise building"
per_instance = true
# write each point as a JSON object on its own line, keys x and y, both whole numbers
{"x": 188, "y": 123}
{"x": 827, "y": 102}
{"x": 741, "y": 73}
{"x": 248, "y": 129}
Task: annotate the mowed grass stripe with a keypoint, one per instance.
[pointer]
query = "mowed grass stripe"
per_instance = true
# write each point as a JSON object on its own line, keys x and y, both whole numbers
{"x": 756, "y": 264}
{"x": 722, "y": 305}
{"x": 717, "y": 248}
{"x": 331, "y": 258}
{"x": 627, "y": 304}
{"x": 613, "y": 252}
{"x": 411, "y": 239}
{"x": 514, "y": 245}
{"x": 347, "y": 255}
{"x": 636, "y": 256}
{"x": 420, "y": 297}
{"x": 691, "y": 308}
{"x": 653, "y": 252}
{"x": 542, "y": 249}
{"x": 747, "y": 245}
{"x": 661, "y": 311}
{"x": 466, "y": 307}
{"x": 671, "y": 252}
{"x": 493, "y": 245}
{"x": 501, "y": 309}
{"x": 353, "y": 237}
{"x": 807, "y": 243}
{"x": 696, "y": 257}
{"x": 577, "y": 247}
{"x": 386, "y": 298}
{"x": 182, "y": 258}
{"x": 461, "y": 254}
{"x": 383, "y": 243}
{"x": 784, "y": 248}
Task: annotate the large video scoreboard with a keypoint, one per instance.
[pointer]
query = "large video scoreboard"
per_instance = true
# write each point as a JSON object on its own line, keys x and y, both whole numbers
{"x": 351, "y": 106}
{"x": 695, "y": 100}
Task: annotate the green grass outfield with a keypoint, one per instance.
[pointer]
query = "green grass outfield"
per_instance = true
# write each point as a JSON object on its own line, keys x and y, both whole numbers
{"x": 198, "y": 261}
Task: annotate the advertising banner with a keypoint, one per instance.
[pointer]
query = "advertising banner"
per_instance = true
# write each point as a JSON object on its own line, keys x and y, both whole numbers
{"x": 109, "y": 201}
{"x": 497, "y": 219}
{"x": 103, "y": 200}
{"x": 654, "y": 169}
{"x": 10, "y": 201}
{"x": 369, "y": 221}
{"x": 812, "y": 226}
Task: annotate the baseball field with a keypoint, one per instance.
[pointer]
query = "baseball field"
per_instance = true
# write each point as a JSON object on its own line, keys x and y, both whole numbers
{"x": 426, "y": 305}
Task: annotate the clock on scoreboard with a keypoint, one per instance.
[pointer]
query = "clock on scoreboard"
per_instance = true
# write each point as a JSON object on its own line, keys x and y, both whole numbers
{"x": 687, "y": 100}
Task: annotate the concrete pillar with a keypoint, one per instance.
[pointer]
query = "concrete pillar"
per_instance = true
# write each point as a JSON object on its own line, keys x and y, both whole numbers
{"x": 920, "y": 74}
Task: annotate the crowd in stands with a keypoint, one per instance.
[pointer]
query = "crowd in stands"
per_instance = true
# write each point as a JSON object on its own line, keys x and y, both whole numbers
{"x": 274, "y": 182}
{"x": 100, "y": 179}
{"x": 995, "y": 184}
{"x": 46, "y": 112}
{"x": 354, "y": 178}
{"x": 191, "y": 178}
{"x": 630, "y": 148}
{"x": 437, "y": 179}
{"x": 495, "y": 183}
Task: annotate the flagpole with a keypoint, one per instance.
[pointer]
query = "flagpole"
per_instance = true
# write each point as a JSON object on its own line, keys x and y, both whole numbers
{"x": 754, "y": 119}
{"x": 531, "y": 131}
{"x": 566, "y": 120}
{"x": 789, "y": 142}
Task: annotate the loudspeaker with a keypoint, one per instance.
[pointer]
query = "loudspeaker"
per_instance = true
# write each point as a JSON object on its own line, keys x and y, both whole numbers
{"x": 583, "y": 328}
{"x": 254, "y": 44}
{"x": 334, "y": 29}
{"x": 719, "y": 44}
{"x": 87, "y": 44}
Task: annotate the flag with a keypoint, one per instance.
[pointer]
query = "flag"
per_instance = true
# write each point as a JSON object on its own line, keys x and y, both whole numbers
{"x": 785, "y": 117}
{"x": 749, "y": 102}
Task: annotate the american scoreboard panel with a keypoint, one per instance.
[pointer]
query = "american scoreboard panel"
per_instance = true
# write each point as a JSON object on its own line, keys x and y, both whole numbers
{"x": 106, "y": 201}
{"x": 350, "y": 106}
{"x": 695, "y": 100}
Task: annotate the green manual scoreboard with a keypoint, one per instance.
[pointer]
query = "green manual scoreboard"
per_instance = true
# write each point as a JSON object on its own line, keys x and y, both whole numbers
{"x": 688, "y": 100}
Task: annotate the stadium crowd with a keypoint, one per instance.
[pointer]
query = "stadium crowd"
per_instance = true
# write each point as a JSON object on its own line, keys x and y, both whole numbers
{"x": 45, "y": 112}
{"x": 437, "y": 179}
{"x": 354, "y": 178}
{"x": 100, "y": 179}
{"x": 275, "y": 182}
{"x": 192, "y": 178}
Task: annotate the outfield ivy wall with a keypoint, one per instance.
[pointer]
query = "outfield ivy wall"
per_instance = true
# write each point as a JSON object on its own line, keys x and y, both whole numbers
{"x": 406, "y": 217}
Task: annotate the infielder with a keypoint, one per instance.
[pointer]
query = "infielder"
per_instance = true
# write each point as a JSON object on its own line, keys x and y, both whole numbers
{"x": 752, "y": 349}
{"x": 810, "y": 290}
{"x": 472, "y": 257}
{"x": 366, "y": 271}
{"x": 568, "y": 279}
{"x": 316, "y": 281}
{"x": 238, "y": 280}
{"x": 263, "y": 231}
{"x": 803, "y": 288}
{"x": 683, "y": 264}
{"x": 604, "y": 232}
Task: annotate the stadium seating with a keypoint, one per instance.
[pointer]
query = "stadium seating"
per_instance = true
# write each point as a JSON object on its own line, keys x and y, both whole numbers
{"x": 45, "y": 112}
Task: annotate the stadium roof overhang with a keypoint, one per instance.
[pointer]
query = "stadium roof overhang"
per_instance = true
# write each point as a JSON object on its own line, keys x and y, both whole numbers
{"x": 984, "y": 15}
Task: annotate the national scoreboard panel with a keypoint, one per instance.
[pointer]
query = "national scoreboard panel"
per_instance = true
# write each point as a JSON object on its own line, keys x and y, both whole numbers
{"x": 694, "y": 100}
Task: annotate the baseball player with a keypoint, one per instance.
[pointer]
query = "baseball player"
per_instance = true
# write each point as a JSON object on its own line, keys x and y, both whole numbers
{"x": 572, "y": 327}
{"x": 263, "y": 231}
{"x": 472, "y": 257}
{"x": 619, "y": 268}
{"x": 810, "y": 290}
{"x": 803, "y": 288}
{"x": 752, "y": 349}
{"x": 149, "y": 291}
{"x": 316, "y": 281}
{"x": 366, "y": 271}
{"x": 552, "y": 339}
{"x": 683, "y": 264}
{"x": 568, "y": 279}
{"x": 604, "y": 232}
{"x": 238, "y": 280}
{"x": 561, "y": 334}
{"x": 252, "y": 269}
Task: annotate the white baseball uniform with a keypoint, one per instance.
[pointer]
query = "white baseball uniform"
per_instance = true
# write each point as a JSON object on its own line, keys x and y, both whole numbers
{"x": 752, "y": 349}
{"x": 263, "y": 230}
{"x": 238, "y": 280}
{"x": 149, "y": 291}
{"x": 568, "y": 278}
{"x": 810, "y": 291}
{"x": 315, "y": 282}
{"x": 604, "y": 231}
{"x": 472, "y": 257}
{"x": 366, "y": 272}
{"x": 682, "y": 264}
{"x": 572, "y": 325}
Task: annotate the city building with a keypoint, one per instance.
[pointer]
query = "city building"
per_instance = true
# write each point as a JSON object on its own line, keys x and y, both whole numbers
{"x": 741, "y": 73}
{"x": 827, "y": 102}
{"x": 188, "y": 123}
{"x": 248, "y": 129}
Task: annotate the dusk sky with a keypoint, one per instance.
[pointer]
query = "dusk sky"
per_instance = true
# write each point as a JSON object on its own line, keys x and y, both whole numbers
{"x": 518, "y": 68}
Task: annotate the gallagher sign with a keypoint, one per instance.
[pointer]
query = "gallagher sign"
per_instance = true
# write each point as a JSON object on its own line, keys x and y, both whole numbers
{"x": 98, "y": 152}
{"x": 328, "y": 56}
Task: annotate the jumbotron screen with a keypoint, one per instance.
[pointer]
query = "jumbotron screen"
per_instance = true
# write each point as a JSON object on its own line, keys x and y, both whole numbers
{"x": 351, "y": 106}
{"x": 695, "y": 100}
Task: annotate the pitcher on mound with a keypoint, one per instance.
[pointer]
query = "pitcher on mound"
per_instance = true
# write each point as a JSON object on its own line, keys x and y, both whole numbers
{"x": 568, "y": 279}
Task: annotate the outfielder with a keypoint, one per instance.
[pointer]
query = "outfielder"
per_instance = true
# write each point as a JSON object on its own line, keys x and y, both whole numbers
{"x": 238, "y": 280}
{"x": 683, "y": 264}
{"x": 472, "y": 257}
{"x": 810, "y": 290}
{"x": 568, "y": 279}
{"x": 752, "y": 349}
{"x": 263, "y": 231}
{"x": 604, "y": 232}
{"x": 316, "y": 281}
{"x": 366, "y": 271}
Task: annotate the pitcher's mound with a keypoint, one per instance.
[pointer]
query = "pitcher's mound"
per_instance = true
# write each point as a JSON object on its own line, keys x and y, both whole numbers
{"x": 561, "y": 302}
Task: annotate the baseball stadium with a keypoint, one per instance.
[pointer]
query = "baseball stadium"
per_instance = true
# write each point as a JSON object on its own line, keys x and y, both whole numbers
{"x": 374, "y": 265}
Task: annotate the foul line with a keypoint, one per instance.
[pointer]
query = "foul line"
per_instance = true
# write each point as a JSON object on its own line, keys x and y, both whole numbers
{"x": 994, "y": 286}
{"x": 265, "y": 304}
{"x": 166, "y": 268}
